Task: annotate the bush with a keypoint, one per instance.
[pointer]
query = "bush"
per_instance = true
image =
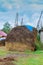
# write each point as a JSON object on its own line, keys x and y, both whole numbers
{"x": 38, "y": 42}
{"x": 38, "y": 37}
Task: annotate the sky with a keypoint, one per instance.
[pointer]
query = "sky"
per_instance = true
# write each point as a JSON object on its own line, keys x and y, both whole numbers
{"x": 29, "y": 10}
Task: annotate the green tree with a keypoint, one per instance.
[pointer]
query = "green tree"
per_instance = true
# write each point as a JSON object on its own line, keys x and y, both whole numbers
{"x": 7, "y": 27}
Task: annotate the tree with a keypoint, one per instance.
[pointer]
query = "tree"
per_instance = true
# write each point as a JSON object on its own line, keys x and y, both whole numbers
{"x": 7, "y": 27}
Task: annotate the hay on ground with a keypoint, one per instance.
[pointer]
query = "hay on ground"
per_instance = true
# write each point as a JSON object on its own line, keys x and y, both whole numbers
{"x": 20, "y": 38}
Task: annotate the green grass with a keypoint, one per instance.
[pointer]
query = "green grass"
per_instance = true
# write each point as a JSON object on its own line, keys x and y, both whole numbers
{"x": 33, "y": 58}
{"x": 3, "y": 52}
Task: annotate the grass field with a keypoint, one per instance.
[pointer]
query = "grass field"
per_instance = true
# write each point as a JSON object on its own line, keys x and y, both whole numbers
{"x": 35, "y": 58}
{"x": 32, "y": 58}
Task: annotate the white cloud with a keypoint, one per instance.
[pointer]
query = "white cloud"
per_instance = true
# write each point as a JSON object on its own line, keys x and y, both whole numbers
{"x": 26, "y": 20}
{"x": 35, "y": 18}
{"x": 37, "y": 7}
{"x": 20, "y": 6}
{"x": 1, "y": 24}
{"x": 28, "y": 7}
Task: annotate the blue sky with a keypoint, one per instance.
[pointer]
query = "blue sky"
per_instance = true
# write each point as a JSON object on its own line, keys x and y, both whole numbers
{"x": 28, "y": 9}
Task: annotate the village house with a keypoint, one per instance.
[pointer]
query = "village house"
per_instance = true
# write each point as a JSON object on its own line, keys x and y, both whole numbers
{"x": 40, "y": 27}
{"x": 3, "y": 36}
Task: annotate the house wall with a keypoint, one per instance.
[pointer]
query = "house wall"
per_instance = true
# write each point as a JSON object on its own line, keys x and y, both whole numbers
{"x": 41, "y": 36}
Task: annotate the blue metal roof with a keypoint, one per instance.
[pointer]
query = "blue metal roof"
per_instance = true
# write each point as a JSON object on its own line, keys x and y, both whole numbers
{"x": 29, "y": 27}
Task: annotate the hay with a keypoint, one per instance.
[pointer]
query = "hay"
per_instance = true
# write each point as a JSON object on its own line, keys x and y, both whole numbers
{"x": 2, "y": 43}
{"x": 22, "y": 37}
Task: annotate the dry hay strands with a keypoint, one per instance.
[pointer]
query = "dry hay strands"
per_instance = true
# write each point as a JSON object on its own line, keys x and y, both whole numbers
{"x": 23, "y": 35}
{"x": 8, "y": 63}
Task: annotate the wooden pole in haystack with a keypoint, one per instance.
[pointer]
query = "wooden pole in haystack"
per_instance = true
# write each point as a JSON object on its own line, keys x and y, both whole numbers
{"x": 16, "y": 20}
{"x": 21, "y": 21}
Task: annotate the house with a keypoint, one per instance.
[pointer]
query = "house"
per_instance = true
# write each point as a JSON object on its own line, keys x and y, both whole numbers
{"x": 2, "y": 34}
{"x": 40, "y": 27}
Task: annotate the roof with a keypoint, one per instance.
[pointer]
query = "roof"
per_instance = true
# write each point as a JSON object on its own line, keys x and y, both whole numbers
{"x": 2, "y": 33}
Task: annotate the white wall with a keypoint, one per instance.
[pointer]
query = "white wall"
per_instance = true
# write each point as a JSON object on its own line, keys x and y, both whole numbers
{"x": 41, "y": 36}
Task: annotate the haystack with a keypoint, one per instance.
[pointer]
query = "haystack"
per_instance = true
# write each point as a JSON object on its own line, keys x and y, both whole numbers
{"x": 20, "y": 38}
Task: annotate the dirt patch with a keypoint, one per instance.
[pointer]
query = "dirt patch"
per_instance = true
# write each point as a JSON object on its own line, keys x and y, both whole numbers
{"x": 7, "y": 63}
{"x": 7, "y": 59}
